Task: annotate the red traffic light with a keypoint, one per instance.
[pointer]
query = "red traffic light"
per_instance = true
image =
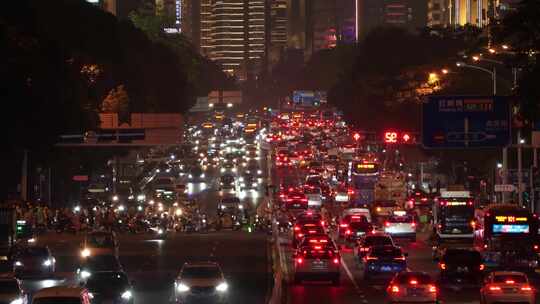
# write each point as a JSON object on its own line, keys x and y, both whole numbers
{"x": 356, "y": 136}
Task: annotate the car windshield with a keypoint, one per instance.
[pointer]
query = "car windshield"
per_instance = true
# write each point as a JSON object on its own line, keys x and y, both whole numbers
{"x": 9, "y": 287}
{"x": 510, "y": 278}
{"x": 377, "y": 240}
{"x": 313, "y": 191}
{"x": 101, "y": 240}
{"x": 358, "y": 225}
{"x": 110, "y": 281}
{"x": 102, "y": 263}
{"x": 420, "y": 278}
{"x": 462, "y": 256}
{"x": 34, "y": 252}
{"x": 57, "y": 300}
{"x": 194, "y": 272}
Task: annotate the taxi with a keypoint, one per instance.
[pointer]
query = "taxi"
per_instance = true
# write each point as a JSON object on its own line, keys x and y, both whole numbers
{"x": 412, "y": 287}
{"x": 319, "y": 261}
{"x": 507, "y": 287}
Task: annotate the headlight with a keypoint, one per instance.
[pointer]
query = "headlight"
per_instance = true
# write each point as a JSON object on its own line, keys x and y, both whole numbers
{"x": 190, "y": 176}
{"x": 202, "y": 175}
{"x": 18, "y": 263}
{"x": 160, "y": 231}
{"x": 255, "y": 184}
{"x": 259, "y": 171}
{"x": 222, "y": 287}
{"x": 140, "y": 208}
{"x": 121, "y": 208}
{"x": 85, "y": 253}
{"x": 47, "y": 263}
{"x": 241, "y": 179}
{"x": 127, "y": 295}
{"x": 222, "y": 170}
{"x": 240, "y": 206}
{"x": 222, "y": 207}
{"x": 141, "y": 197}
{"x": 17, "y": 301}
{"x": 243, "y": 184}
{"x": 115, "y": 198}
{"x": 85, "y": 274}
{"x": 233, "y": 169}
{"x": 180, "y": 287}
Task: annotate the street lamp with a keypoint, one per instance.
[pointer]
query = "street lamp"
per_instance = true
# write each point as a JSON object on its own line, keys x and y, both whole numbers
{"x": 492, "y": 73}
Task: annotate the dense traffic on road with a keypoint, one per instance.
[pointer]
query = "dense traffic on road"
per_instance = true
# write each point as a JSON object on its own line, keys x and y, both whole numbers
{"x": 248, "y": 197}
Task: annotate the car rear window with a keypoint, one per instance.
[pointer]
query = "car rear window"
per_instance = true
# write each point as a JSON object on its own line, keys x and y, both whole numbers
{"x": 513, "y": 278}
{"x": 401, "y": 219}
{"x": 323, "y": 253}
{"x": 421, "y": 278}
{"x": 386, "y": 252}
{"x": 378, "y": 240}
{"x": 462, "y": 256}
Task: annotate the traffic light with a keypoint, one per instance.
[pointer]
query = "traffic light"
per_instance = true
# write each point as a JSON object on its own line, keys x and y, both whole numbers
{"x": 19, "y": 227}
{"x": 406, "y": 138}
{"x": 390, "y": 137}
{"x": 356, "y": 136}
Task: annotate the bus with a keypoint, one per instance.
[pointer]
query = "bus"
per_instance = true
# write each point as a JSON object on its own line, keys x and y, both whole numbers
{"x": 509, "y": 237}
{"x": 453, "y": 216}
{"x": 363, "y": 177}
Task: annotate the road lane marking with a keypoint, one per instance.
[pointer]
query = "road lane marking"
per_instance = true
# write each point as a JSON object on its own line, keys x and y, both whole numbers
{"x": 350, "y": 275}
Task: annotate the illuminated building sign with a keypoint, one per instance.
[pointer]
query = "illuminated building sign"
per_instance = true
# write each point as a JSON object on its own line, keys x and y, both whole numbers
{"x": 510, "y": 219}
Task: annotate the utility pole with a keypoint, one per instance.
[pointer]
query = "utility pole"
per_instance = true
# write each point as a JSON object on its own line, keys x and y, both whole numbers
{"x": 24, "y": 176}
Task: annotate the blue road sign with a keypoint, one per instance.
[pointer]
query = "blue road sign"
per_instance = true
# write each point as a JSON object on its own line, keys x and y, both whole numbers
{"x": 466, "y": 122}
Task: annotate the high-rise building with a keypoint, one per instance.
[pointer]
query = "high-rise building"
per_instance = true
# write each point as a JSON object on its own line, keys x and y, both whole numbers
{"x": 438, "y": 13}
{"x": 473, "y": 12}
{"x": 409, "y": 14}
{"x": 238, "y": 35}
{"x": 278, "y": 30}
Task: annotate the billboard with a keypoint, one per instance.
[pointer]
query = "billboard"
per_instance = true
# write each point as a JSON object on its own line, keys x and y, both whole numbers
{"x": 466, "y": 122}
{"x": 309, "y": 98}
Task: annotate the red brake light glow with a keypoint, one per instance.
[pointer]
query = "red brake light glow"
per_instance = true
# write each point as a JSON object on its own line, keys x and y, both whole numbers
{"x": 509, "y": 282}
{"x": 494, "y": 288}
{"x": 394, "y": 289}
{"x": 432, "y": 288}
{"x": 526, "y": 288}
{"x": 300, "y": 260}
{"x": 336, "y": 261}
{"x": 443, "y": 266}
{"x": 413, "y": 282}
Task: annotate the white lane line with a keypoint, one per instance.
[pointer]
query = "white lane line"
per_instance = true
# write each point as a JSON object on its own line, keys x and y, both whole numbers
{"x": 350, "y": 275}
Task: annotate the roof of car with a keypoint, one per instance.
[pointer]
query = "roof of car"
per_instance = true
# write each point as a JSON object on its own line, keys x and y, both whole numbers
{"x": 60, "y": 291}
{"x": 508, "y": 273}
{"x": 201, "y": 264}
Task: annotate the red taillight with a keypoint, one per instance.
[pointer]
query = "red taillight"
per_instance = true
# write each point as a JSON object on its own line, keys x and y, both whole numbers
{"x": 343, "y": 225}
{"x": 350, "y": 191}
{"x": 482, "y": 267}
{"x": 394, "y": 289}
{"x": 526, "y": 288}
{"x": 387, "y": 224}
{"x": 494, "y": 288}
{"x": 401, "y": 258}
{"x": 364, "y": 249}
{"x": 509, "y": 282}
{"x": 413, "y": 282}
{"x": 348, "y": 232}
{"x": 296, "y": 228}
{"x": 323, "y": 223}
{"x": 312, "y": 231}
{"x": 432, "y": 288}
{"x": 413, "y": 224}
{"x": 336, "y": 261}
{"x": 299, "y": 260}
{"x": 371, "y": 258}
{"x": 536, "y": 247}
{"x": 317, "y": 247}
{"x": 442, "y": 266}
{"x": 300, "y": 235}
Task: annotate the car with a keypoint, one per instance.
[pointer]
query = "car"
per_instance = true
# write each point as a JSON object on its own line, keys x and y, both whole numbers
{"x": 384, "y": 261}
{"x": 230, "y": 205}
{"x": 227, "y": 182}
{"x": 33, "y": 261}
{"x": 109, "y": 287}
{"x": 100, "y": 243}
{"x": 356, "y": 230}
{"x": 314, "y": 196}
{"x": 383, "y": 208}
{"x": 412, "y": 287}
{"x": 196, "y": 175}
{"x": 228, "y": 168}
{"x": 11, "y": 291}
{"x": 461, "y": 264}
{"x": 296, "y": 200}
{"x": 342, "y": 194}
{"x": 401, "y": 225}
{"x": 253, "y": 168}
{"x": 507, "y": 287}
{"x": 318, "y": 261}
{"x": 248, "y": 182}
{"x": 348, "y": 219}
{"x": 364, "y": 244}
{"x": 62, "y": 294}
{"x": 97, "y": 263}
{"x": 300, "y": 230}
{"x": 201, "y": 282}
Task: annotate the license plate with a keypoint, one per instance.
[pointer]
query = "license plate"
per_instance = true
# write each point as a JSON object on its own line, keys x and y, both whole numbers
{"x": 462, "y": 269}
{"x": 360, "y": 233}
{"x": 386, "y": 268}
{"x": 414, "y": 292}
{"x": 296, "y": 205}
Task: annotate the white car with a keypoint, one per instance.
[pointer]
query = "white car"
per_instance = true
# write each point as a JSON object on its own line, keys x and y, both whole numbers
{"x": 200, "y": 282}
{"x": 314, "y": 197}
{"x": 11, "y": 291}
{"x": 507, "y": 287}
{"x": 401, "y": 225}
